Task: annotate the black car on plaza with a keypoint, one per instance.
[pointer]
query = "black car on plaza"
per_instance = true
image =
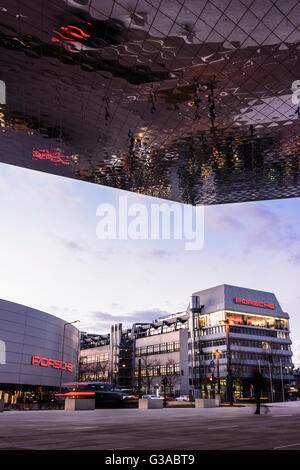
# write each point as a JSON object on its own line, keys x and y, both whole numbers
{"x": 105, "y": 395}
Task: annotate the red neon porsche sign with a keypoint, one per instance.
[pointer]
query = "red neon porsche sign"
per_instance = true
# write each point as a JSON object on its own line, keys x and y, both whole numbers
{"x": 254, "y": 303}
{"x": 45, "y": 362}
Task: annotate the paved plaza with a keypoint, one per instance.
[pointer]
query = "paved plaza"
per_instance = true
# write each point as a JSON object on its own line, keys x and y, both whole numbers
{"x": 222, "y": 428}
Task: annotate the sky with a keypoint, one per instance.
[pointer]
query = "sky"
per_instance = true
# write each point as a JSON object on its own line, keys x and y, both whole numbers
{"x": 52, "y": 259}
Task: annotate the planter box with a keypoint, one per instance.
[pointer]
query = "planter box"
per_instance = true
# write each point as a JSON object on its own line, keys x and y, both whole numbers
{"x": 77, "y": 404}
{"x": 205, "y": 403}
{"x": 150, "y": 404}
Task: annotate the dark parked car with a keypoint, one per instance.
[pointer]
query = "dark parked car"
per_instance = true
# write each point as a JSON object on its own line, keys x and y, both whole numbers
{"x": 102, "y": 392}
{"x": 112, "y": 398}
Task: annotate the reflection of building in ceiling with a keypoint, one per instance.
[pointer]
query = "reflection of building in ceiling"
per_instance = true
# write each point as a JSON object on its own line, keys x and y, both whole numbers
{"x": 191, "y": 101}
{"x": 54, "y": 155}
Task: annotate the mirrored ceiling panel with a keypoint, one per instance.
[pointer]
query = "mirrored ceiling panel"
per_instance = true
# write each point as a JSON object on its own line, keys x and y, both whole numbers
{"x": 194, "y": 101}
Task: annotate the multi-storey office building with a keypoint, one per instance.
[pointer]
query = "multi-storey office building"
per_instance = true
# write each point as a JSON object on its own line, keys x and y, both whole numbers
{"x": 161, "y": 352}
{"x": 140, "y": 357}
{"x": 107, "y": 357}
{"x": 225, "y": 332}
{"x": 231, "y": 331}
{"x": 94, "y": 364}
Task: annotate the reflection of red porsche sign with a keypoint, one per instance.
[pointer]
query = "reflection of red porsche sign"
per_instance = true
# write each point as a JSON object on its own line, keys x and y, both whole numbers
{"x": 254, "y": 303}
{"x": 45, "y": 362}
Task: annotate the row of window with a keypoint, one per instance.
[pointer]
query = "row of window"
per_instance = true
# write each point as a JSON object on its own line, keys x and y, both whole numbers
{"x": 260, "y": 344}
{"x": 161, "y": 329}
{"x": 241, "y": 356}
{"x": 214, "y": 330}
{"x": 103, "y": 357}
{"x": 239, "y": 369}
{"x": 98, "y": 376}
{"x": 206, "y": 357}
{"x": 214, "y": 343}
{"x": 243, "y": 330}
{"x": 203, "y": 321}
{"x": 252, "y": 320}
{"x": 207, "y": 344}
{"x": 158, "y": 349}
{"x": 258, "y": 357}
{"x": 89, "y": 343}
{"x": 168, "y": 369}
{"x": 246, "y": 343}
{"x": 259, "y": 332}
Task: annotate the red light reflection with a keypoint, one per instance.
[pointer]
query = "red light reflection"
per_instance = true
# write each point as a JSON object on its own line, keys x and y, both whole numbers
{"x": 54, "y": 155}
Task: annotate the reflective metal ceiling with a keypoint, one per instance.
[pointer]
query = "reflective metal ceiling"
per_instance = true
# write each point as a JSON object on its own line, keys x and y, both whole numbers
{"x": 194, "y": 101}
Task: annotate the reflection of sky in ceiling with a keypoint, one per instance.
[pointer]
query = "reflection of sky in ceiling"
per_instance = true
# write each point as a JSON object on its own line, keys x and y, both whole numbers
{"x": 190, "y": 101}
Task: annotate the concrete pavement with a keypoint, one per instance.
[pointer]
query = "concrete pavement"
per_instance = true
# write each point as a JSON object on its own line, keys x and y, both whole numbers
{"x": 168, "y": 429}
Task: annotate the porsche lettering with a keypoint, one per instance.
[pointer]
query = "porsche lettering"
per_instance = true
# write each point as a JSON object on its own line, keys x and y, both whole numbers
{"x": 254, "y": 303}
{"x": 45, "y": 362}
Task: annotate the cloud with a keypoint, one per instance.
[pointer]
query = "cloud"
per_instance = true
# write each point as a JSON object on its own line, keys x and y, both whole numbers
{"x": 222, "y": 221}
{"x": 101, "y": 321}
{"x": 260, "y": 228}
{"x": 73, "y": 246}
{"x": 4, "y": 186}
{"x": 246, "y": 216}
{"x": 160, "y": 253}
{"x": 62, "y": 310}
{"x": 109, "y": 251}
{"x": 118, "y": 251}
{"x": 40, "y": 189}
{"x": 123, "y": 250}
{"x": 292, "y": 244}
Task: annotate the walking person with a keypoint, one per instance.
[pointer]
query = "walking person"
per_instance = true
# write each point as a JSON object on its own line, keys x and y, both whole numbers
{"x": 258, "y": 385}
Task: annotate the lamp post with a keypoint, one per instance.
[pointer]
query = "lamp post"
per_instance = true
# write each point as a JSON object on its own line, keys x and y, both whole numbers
{"x": 229, "y": 374}
{"x": 217, "y": 353}
{"x": 63, "y": 349}
{"x": 282, "y": 386}
{"x": 115, "y": 380}
{"x": 122, "y": 377}
{"x": 270, "y": 373}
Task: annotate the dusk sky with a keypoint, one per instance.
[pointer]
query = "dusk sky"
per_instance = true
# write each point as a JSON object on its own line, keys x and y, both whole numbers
{"x": 51, "y": 258}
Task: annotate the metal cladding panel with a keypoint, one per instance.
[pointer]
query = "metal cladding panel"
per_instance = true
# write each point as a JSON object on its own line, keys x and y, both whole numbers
{"x": 223, "y": 298}
{"x": 7, "y": 325}
{"x": 13, "y": 316}
{"x": 213, "y": 299}
{"x": 28, "y": 332}
{"x": 6, "y": 305}
{"x": 232, "y": 292}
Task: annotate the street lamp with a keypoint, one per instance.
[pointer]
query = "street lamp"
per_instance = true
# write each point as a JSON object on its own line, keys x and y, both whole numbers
{"x": 116, "y": 381}
{"x": 217, "y": 353}
{"x": 270, "y": 372}
{"x": 229, "y": 375}
{"x": 63, "y": 348}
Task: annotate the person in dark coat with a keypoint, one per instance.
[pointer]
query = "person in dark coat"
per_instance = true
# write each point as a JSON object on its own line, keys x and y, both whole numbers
{"x": 258, "y": 384}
